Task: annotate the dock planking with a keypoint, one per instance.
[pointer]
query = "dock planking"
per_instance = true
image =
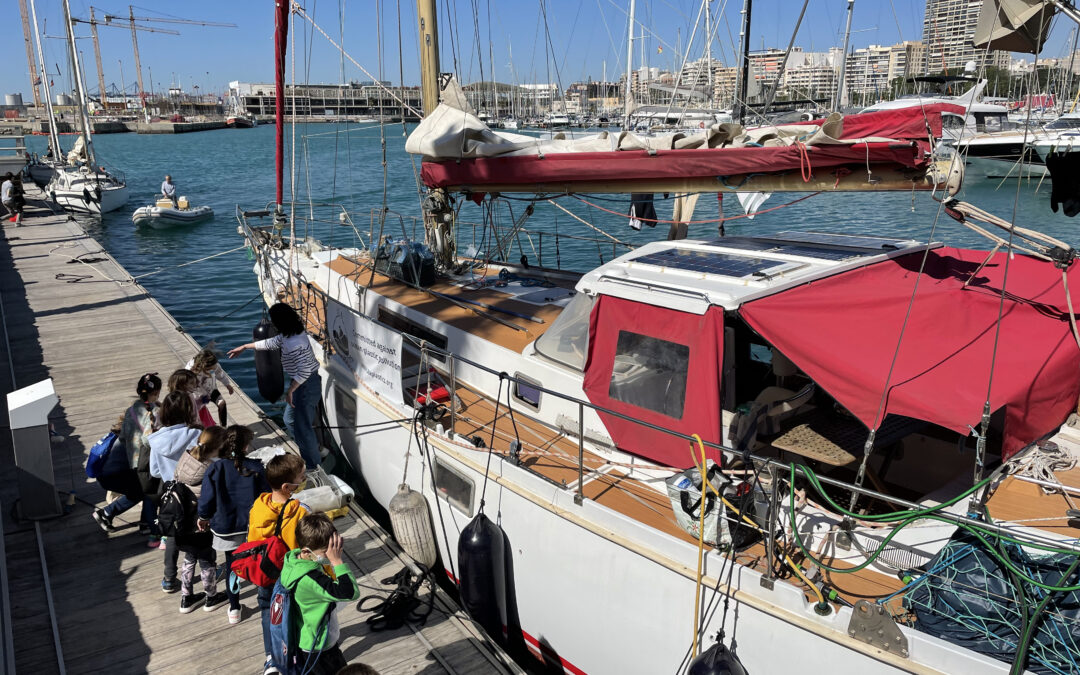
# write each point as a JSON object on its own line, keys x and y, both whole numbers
{"x": 94, "y": 332}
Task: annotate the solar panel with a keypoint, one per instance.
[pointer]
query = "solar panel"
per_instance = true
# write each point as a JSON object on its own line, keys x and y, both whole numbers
{"x": 706, "y": 262}
{"x": 849, "y": 240}
{"x": 804, "y": 250}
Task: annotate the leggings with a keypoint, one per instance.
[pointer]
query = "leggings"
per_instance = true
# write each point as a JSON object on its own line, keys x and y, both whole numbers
{"x": 234, "y": 596}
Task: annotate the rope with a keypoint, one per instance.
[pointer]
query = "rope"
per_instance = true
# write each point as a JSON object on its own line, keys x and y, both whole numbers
{"x": 190, "y": 262}
{"x": 698, "y": 222}
{"x": 1043, "y": 463}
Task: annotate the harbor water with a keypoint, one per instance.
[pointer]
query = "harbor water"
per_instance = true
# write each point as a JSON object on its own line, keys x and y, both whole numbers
{"x": 216, "y": 300}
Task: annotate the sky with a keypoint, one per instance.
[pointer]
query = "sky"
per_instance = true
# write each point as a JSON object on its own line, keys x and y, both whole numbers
{"x": 527, "y": 40}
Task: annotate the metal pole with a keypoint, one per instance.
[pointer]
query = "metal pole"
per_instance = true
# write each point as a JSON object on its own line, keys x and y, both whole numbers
{"x": 54, "y": 133}
{"x": 628, "y": 96}
{"x": 138, "y": 65}
{"x": 453, "y": 395}
{"x": 579, "y": 498}
{"x": 30, "y": 55}
{"x": 744, "y": 76}
{"x": 840, "y": 98}
{"x": 783, "y": 62}
{"x": 80, "y": 87}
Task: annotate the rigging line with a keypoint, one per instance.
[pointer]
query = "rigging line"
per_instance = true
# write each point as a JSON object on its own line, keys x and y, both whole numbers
{"x": 297, "y": 9}
{"x": 700, "y": 222}
{"x": 587, "y": 223}
{"x": 382, "y": 117}
{"x": 686, "y": 55}
{"x": 190, "y": 262}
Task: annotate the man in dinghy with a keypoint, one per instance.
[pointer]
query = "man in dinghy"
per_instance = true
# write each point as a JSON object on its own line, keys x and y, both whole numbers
{"x": 168, "y": 191}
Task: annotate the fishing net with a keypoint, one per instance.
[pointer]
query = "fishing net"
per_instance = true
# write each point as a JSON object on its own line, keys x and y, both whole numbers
{"x": 968, "y": 598}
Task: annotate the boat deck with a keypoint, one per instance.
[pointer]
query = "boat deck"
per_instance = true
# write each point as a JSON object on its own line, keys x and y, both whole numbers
{"x": 79, "y": 601}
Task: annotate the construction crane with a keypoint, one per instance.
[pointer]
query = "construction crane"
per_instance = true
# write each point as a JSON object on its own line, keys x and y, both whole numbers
{"x": 94, "y": 23}
{"x": 30, "y": 54}
{"x": 135, "y": 41}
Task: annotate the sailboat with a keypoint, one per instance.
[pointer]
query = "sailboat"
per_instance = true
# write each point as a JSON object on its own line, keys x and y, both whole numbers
{"x": 776, "y": 453}
{"x": 82, "y": 185}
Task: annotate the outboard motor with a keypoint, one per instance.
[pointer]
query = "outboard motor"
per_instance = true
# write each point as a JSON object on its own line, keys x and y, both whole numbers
{"x": 482, "y": 582}
{"x": 268, "y": 372}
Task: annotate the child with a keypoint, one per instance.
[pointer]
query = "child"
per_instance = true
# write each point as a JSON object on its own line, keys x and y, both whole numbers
{"x": 167, "y": 444}
{"x": 197, "y": 546}
{"x": 305, "y": 384}
{"x": 122, "y": 471}
{"x": 187, "y": 382}
{"x": 229, "y": 489}
{"x": 285, "y": 474}
{"x": 315, "y": 592}
{"x": 207, "y": 371}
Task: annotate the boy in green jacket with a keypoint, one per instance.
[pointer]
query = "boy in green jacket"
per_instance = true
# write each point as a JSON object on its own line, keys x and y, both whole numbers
{"x": 315, "y": 591}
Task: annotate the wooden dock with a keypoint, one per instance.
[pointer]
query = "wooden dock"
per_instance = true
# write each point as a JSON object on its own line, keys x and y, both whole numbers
{"x": 79, "y": 601}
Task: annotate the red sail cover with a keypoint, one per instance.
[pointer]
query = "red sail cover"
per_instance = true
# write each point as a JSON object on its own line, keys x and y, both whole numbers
{"x": 842, "y": 332}
{"x": 699, "y": 337}
{"x": 910, "y": 129}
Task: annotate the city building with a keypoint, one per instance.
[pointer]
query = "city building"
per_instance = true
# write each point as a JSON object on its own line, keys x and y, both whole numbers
{"x": 331, "y": 101}
{"x": 948, "y": 27}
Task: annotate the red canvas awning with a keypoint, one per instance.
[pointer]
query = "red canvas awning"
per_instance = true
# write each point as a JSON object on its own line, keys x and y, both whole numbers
{"x": 908, "y": 129}
{"x": 631, "y": 165}
{"x": 842, "y": 332}
{"x": 682, "y": 377}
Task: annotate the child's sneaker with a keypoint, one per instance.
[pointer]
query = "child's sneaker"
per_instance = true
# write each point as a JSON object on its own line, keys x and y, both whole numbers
{"x": 234, "y": 616}
{"x": 269, "y": 668}
{"x": 153, "y": 541}
{"x": 188, "y": 603}
{"x": 170, "y": 585}
{"x": 163, "y": 543}
{"x": 103, "y": 521}
{"x": 214, "y": 601}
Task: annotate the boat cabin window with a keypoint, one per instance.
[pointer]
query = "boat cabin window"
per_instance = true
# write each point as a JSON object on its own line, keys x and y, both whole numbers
{"x": 650, "y": 373}
{"x": 567, "y": 341}
{"x": 345, "y": 405}
{"x": 951, "y": 122}
{"x": 990, "y": 122}
{"x": 527, "y": 390}
{"x": 407, "y": 326}
{"x": 453, "y": 486}
{"x": 1065, "y": 122}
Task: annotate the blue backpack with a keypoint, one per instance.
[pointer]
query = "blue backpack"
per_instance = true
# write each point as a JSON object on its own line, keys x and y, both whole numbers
{"x": 285, "y": 633}
{"x": 98, "y": 454}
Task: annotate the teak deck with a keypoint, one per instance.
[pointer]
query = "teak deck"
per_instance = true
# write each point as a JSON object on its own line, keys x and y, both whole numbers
{"x": 95, "y": 338}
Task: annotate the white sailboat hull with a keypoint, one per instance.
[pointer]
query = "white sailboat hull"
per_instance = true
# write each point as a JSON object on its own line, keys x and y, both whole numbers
{"x": 85, "y": 192}
{"x": 596, "y": 591}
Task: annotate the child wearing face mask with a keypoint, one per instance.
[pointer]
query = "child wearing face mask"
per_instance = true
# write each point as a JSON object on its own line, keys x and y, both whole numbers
{"x": 285, "y": 474}
{"x": 316, "y": 592}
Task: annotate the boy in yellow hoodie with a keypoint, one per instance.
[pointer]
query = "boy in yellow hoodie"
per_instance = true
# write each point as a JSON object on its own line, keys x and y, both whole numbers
{"x": 285, "y": 474}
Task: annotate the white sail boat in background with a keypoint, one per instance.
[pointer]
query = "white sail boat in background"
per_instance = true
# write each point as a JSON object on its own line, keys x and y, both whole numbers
{"x": 82, "y": 184}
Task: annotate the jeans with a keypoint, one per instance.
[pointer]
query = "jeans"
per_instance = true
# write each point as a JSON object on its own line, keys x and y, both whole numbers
{"x": 118, "y": 506}
{"x": 265, "y": 595}
{"x": 300, "y": 419}
{"x": 172, "y": 556}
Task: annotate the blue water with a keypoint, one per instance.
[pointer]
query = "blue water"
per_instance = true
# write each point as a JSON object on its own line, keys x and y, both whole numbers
{"x": 343, "y": 164}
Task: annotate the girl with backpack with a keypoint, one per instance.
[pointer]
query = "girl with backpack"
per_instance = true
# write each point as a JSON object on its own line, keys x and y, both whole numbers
{"x": 207, "y": 370}
{"x": 167, "y": 444}
{"x": 121, "y": 473}
{"x": 196, "y": 546}
{"x": 229, "y": 489}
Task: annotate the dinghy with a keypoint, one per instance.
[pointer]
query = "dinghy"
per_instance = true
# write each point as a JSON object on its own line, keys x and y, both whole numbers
{"x": 163, "y": 215}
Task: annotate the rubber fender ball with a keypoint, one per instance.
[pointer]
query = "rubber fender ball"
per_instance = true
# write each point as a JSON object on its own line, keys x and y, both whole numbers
{"x": 482, "y": 573}
{"x": 716, "y": 660}
{"x": 268, "y": 370}
{"x": 86, "y": 195}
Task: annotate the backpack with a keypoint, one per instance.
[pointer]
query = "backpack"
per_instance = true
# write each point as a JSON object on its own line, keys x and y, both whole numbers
{"x": 260, "y": 561}
{"x": 99, "y": 453}
{"x": 176, "y": 509}
{"x": 285, "y": 633}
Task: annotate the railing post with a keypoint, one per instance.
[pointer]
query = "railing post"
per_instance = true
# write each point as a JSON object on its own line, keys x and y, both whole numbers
{"x": 453, "y": 395}
{"x": 579, "y": 498}
{"x": 774, "y": 506}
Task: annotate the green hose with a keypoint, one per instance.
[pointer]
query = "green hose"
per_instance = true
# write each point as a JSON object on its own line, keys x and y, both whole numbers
{"x": 927, "y": 514}
{"x": 1019, "y": 661}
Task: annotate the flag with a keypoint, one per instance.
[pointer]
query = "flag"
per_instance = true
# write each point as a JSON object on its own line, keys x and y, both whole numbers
{"x": 659, "y": 49}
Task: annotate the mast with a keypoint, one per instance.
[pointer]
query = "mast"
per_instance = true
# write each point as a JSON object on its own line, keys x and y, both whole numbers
{"x": 840, "y": 97}
{"x": 54, "y": 133}
{"x": 281, "y": 44}
{"x": 80, "y": 87}
{"x": 429, "y": 55}
{"x": 628, "y": 98}
{"x": 708, "y": 54}
{"x": 30, "y": 54}
{"x": 744, "y": 76}
{"x": 97, "y": 59}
